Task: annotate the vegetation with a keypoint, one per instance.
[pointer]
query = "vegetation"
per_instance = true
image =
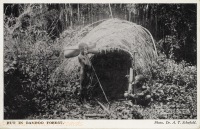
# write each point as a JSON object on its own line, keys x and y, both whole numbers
{"x": 34, "y": 32}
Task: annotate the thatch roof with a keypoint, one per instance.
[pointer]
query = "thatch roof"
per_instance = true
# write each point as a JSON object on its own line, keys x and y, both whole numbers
{"x": 115, "y": 34}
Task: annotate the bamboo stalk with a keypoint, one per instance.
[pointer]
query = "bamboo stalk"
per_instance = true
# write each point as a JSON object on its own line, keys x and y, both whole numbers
{"x": 71, "y": 13}
{"x": 78, "y": 15}
{"x": 110, "y": 11}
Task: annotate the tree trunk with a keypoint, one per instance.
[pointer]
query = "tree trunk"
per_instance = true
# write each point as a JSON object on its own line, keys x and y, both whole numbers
{"x": 129, "y": 15}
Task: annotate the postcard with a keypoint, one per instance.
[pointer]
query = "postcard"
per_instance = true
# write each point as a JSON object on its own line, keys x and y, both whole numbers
{"x": 99, "y": 64}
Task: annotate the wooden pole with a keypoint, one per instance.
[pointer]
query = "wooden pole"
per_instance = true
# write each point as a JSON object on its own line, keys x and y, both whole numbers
{"x": 134, "y": 71}
{"x": 134, "y": 74}
{"x": 130, "y": 89}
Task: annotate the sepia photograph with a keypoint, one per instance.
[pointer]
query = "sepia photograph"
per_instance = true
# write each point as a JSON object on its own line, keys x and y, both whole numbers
{"x": 100, "y": 61}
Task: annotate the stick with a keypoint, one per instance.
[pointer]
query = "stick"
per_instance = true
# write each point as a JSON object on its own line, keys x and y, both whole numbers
{"x": 152, "y": 41}
{"x": 99, "y": 82}
{"x": 95, "y": 115}
{"x": 111, "y": 115}
{"x": 104, "y": 108}
{"x": 134, "y": 73}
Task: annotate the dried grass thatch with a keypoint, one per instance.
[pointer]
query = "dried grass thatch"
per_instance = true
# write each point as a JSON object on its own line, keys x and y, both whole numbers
{"x": 115, "y": 35}
{"x": 130, "y": 37}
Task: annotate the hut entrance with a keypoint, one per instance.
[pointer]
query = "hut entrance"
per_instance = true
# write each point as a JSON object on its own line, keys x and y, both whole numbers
{"x": 111, "y": 68}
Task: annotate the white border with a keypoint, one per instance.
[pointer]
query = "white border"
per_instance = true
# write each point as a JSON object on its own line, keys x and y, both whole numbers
{"x": 99, "y": 123}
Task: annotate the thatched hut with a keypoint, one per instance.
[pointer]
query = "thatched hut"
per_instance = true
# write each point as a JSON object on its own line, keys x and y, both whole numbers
{"x": 113, "y": 44}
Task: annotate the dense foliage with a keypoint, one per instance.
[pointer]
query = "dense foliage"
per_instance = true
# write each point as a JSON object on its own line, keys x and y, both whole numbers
{"x": 33, "y": 33}
{"x": 173, "y": 24}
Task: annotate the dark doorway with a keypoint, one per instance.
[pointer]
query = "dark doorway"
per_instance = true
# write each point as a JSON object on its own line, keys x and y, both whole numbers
{"x": 111, "y": 68}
